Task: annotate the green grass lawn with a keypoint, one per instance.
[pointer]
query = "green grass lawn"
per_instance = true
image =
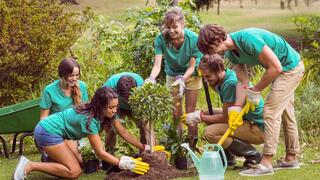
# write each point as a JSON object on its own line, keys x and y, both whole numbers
{"x": 307, "y": 170}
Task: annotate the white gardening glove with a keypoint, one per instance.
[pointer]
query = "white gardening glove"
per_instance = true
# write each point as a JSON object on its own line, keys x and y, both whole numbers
{"x": 253, "y": 96}
{"x": 193, "y": 118}
{"x": 147, "y": 147}
{"x": 150, "y": 80}
{"x": 133, "y": 164}
{"x": 181, "y": 82}
{"x": 126, "y": 163}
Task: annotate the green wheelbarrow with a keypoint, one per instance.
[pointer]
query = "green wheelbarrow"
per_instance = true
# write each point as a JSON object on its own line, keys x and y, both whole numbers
{"x": 17, "y": 119}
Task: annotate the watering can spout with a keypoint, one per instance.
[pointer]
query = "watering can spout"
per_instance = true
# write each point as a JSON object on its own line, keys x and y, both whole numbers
{"x": 194, "y": 157}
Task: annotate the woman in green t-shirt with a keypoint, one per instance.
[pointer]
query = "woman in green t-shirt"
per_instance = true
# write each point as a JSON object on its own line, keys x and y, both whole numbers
{"x": 178, "y": 46}
{"x": 283, "y": 71}
{"x": 85, "y": 120}
{"x": 224, "y": 82}
{"x": 64, "y": 93}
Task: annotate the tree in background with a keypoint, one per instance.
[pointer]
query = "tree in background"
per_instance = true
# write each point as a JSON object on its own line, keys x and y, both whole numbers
{"x": 35, "y": 36}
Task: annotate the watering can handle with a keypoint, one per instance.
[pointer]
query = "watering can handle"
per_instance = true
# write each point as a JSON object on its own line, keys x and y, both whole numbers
{"x": 219, "y": 147}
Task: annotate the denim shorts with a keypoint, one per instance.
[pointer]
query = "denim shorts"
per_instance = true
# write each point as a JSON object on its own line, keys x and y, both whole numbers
{"x": 43, "y": 138}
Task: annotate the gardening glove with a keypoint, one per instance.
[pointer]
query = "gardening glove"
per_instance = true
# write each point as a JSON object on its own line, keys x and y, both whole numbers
{"x": 233, "y": 113}
{"x": 191, "y": 118}
{"x": 157, "y": 148}
{"x": 181, "y": 82}
{"x": 134, "y": 165}
{"x": 150, "y": 80}
{"x": 249, "y": 106}
{"x": 253, "y": 96}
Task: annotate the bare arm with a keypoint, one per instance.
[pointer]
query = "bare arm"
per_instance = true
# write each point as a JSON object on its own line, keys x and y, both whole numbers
{"x": 127, "y": 136}
{"x": 44, "y": 113}
{"x": 218, "y": 118}
{"x": 190, "y": 69}
{"x": 156, "y": 66}
{"x": 273, "y": 68}
{"x": 96, "y": 144}
{"x": 243, "y": 80}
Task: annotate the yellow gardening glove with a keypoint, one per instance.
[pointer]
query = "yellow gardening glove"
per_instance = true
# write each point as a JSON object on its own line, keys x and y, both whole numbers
{"x": 134, "y": 165}
{"x": 183, "y": 118}
{"x": 234, "y": 120}
{"x": 141, "y": 167}
{"x": 249, "y": 106}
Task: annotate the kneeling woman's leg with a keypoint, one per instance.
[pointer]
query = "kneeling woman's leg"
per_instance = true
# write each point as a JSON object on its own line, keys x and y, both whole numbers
{"x": 65, "y": 161}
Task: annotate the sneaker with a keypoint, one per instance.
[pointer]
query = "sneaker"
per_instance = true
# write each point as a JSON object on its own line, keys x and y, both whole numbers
{"x": 19, "y": 173}
{"x": 258, "y": 170}
{"x": 282, "y": 164}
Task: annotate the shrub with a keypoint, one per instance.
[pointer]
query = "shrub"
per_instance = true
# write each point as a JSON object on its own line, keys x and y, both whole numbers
{"x": 35, "y": 36}
{"x": 309, "y": 26}
{"x": 307, "y": 112}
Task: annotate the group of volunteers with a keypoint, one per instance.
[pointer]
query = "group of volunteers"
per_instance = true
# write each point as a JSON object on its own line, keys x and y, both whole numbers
{"x": 67, "y": 115}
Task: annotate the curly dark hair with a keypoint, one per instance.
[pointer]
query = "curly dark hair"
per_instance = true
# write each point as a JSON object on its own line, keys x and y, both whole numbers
{"x": 95, "y": 107}
{"x": 209, "y": 36}
{"x": 124, "y": 86}
{"x": 213, "y": 63}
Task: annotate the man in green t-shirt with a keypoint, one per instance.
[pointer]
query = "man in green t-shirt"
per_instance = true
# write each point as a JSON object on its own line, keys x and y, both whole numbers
{"x": 122, "y": 83}
{"x": 224, "y": 82}
{"x": 284, "y": 70}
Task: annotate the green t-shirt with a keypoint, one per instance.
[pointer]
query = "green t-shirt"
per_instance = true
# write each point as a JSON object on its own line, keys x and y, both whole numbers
{"x": 250, "y": 43}
{"x": 69, "y": 124}
{"x": 177, "y": 61}
{"x": 113, "y": 81}
{"x": 53, "y": 97}
{"x": 227, "y": 92}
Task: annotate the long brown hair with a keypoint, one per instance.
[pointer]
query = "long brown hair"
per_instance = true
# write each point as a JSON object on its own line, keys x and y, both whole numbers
{"x": 172, "y": 16}
{"x": 65, "y": 69}
{"x": 95, "y": 107}
{"x": 210, "y": 35}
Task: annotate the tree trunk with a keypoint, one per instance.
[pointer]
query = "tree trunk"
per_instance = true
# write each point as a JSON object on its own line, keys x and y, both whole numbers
{"x": 149, "y": 134}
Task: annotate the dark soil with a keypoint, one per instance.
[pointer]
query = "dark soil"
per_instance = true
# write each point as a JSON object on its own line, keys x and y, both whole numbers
{"x": 159, "y": 169}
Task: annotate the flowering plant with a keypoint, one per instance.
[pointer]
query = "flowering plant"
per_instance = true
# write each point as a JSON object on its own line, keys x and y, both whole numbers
{"x": 86, "y": 150}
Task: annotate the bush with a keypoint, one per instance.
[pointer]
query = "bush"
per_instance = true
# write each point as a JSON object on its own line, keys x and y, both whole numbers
{"x": 35, "y": 36}
{"x": 309, "y": 26}
{"x": 307, "y": 112}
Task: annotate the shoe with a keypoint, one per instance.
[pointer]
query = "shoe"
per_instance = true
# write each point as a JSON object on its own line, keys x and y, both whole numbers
{"x": 282, "y": 164}
{"x": 258, "y": 170}
{"x": 241, "y": 148}
{"x": 19, "y": 173}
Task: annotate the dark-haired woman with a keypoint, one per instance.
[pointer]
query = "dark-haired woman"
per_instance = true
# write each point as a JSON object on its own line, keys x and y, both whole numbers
{"x": 122, "y": 83}
{"x": 224, "y": 82}
{"x": 85, "y": 120}
{"x": 64, "y": 93}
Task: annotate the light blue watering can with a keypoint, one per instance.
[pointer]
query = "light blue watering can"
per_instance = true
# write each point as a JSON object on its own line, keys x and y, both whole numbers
{"x": 209, "y": 166}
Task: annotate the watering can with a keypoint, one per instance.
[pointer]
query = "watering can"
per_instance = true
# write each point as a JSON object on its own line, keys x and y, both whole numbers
{"x": 209, "y": 165}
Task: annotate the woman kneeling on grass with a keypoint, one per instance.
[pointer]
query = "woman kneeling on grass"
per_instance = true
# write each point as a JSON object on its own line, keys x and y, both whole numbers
{"x": 85, "y": 120}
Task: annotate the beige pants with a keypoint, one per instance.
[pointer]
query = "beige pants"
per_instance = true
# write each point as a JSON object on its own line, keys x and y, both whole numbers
{"x": 279, "y": 107}
{"x": 192, "y": 83}
{"x": 248, "y": 132}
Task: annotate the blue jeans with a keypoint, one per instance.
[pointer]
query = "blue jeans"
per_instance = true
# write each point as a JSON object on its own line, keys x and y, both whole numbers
{"x": 43, "y": 138}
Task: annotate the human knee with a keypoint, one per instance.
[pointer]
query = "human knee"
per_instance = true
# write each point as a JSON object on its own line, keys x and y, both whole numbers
{"x": 75, "y": 173}
{"x": 209, "y": 134}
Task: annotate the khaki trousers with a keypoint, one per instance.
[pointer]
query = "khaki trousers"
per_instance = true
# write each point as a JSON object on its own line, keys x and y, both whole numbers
{"x": 248, "y": 132}
{"x": 279, "y": 108}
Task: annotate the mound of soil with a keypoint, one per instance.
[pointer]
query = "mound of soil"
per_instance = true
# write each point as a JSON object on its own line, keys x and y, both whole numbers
{"x": 159, "y": 169}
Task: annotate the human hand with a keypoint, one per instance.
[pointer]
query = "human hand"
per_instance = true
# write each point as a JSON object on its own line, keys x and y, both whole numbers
{"x": 150, "y": 80}
{"x": 191, "y": 118}
{"x": 234, "y": 121}
{"x": 181, "y": 82}
{"x": 252, "y": 96}
{"x": 134, "y": 165}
